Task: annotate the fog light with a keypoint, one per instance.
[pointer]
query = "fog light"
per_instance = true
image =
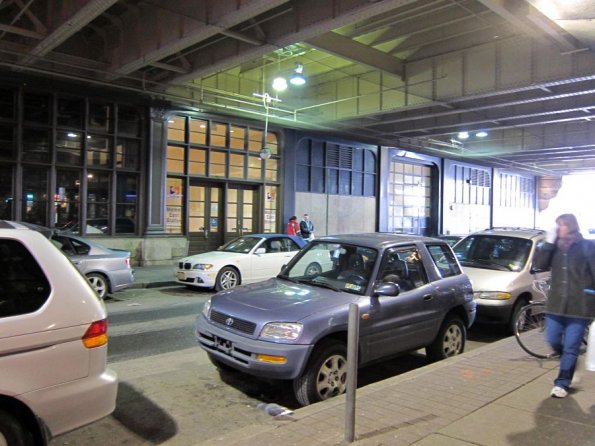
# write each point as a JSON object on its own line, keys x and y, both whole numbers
{"x": 272, "y": 359}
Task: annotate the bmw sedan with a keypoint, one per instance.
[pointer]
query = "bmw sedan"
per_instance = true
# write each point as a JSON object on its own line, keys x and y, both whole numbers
{"x": 247, "y": 259}
{"x": 107, "y": 269}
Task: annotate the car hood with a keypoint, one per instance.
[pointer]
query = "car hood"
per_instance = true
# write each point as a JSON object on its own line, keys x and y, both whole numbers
{"x": 491, "y": 280}
{"x": 278, "y": 299}
{"x": 211, "y": 257}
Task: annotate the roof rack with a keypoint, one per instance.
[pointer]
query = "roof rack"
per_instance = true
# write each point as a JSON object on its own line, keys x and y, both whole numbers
{"x": 514, "y": 228}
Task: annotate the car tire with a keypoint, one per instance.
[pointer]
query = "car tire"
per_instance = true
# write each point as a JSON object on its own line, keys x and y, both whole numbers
{"x": 12, "y": 432}
{"x": 450, "y": 340}
{"x": 325, "y": 375}
{"x": 313, "y": 269}
{"x": 518, "y": 306}
{"x": 227, "y": 278}
{"x": 99, "y": 283}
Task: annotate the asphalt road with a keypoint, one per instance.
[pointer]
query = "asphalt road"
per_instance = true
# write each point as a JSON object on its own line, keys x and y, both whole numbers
{"x": 169, "y": 392}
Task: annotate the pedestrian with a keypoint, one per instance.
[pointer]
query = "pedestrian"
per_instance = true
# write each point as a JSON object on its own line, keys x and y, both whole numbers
{"x": 569, "y": 308}
{"x": 293, "y": 227}
{"x": 307, "y": 228}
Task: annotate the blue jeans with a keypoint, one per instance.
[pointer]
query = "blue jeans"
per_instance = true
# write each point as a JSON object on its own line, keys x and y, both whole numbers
{"x": 565, "y": 335}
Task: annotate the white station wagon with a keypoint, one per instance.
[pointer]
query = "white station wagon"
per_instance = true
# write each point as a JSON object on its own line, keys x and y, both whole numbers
{"x": 53, "y": 342}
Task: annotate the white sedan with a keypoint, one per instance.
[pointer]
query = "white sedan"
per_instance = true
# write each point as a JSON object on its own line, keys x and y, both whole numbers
{"x": 247, "y": 259}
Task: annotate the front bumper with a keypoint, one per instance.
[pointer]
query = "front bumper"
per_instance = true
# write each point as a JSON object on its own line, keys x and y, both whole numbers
{"x": 498, "y": 311}
{"x": 196, "y": 278}
{"x": 240, "y": 352}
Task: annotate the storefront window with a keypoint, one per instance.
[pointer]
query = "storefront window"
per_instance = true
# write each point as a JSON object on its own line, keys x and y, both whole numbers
{"x": 175, "y": 159}
{"x": 35, "y": 199}
{"x": 218, "y": 163}
{"x": 7, "y": 142}
{"x": 128, "y": 154}
{"x": 101, "y": 117}
{"x": 70, "y": 113}
{"x": 36, "y": 108}
{"x": 198, "y": 131}
{"x": 36, "y": 145}
{"x": 98, "y": 203}
{"x": 69, "y": 148}
{"x": 67, "y": 199}
{"x": 126, "y": 204}
{"x": 6, "y": 194}
{"x": 197, "y": 164}
{"x": 129, "y": 121}
{"x": 98, "y": 151}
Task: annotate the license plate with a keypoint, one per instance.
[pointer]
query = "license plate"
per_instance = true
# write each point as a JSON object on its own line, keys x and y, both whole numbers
{"x": 181, "y": 275}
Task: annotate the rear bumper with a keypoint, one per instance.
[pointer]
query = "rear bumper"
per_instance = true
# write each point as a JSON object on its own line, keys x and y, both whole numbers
{"x": 74, "y": 404}
{"x": 121, "y": 279}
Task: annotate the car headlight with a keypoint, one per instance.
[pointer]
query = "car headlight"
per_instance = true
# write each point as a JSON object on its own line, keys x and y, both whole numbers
{"x": 492, "y": 295}
{"x": 206, "y": 308}
{"x": 202, "y": 266}
{"x": 282, "y": 331}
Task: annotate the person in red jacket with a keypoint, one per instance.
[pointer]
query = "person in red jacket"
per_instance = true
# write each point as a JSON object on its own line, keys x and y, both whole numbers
{"x": 293, "y": 227}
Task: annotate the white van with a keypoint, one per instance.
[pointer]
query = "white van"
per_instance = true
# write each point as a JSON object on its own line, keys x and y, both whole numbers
{"x": 53, "y": 342}
{"x": 499, "y": 263}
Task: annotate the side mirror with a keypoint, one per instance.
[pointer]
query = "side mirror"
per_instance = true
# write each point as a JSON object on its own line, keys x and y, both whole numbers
{"x": 260, "y": 251}
{"x": 387, "y": 289}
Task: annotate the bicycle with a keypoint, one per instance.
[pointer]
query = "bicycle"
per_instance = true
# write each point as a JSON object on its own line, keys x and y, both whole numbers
{"x": 529, "y": 326}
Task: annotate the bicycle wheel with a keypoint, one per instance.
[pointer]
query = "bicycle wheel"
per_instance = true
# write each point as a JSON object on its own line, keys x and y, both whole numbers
{"x": 529, "y": 331}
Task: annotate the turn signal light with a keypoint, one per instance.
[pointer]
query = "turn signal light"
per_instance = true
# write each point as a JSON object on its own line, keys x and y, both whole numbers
{"x": 272, "y": 359}
{"x": 96, "y": 334}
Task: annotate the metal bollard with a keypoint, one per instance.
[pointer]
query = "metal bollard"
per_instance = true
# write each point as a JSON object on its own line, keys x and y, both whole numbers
{"x": 352, "y": 344}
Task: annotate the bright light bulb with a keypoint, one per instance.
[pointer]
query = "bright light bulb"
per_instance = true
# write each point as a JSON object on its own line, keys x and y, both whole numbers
{"x": 463, "y": 135}
{"x": 481, "y": 134}
{"x": 279, "y": 84}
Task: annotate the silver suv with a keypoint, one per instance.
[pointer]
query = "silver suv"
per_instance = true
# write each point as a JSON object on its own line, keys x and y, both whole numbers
{"x": 53, "y": 342}
{"x": 410, "y": 290}
{"x": 498, "y": 262}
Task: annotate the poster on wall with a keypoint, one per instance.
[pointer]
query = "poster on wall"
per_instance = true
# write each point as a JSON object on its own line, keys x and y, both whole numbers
{"x": 173, "y": 216}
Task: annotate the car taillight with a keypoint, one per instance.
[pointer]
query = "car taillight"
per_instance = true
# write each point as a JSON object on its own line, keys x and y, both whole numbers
{"x": 96, "y": 334}
{"x": 127, "y": 261}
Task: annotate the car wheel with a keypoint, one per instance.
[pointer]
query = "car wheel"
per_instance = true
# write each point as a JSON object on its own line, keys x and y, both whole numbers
{"x": 450, "y": 340}
{"x": 313, "y": 269}
{"x": 325, "y": 375}
{"x": 99, "y": 283}
{"x": 12, "y": 432}
{"x": 518, "y": 306}
{"x": 227, "y": 278}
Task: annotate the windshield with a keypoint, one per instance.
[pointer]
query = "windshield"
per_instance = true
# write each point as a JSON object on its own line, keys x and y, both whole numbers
{"x": 493, "y": 252}
{"x": 336, "y": 266}
{"x": 242, "y": 245}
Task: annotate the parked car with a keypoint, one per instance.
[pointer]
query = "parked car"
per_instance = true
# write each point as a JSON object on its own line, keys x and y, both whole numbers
{"x": 108, "y": 270}
{"x": 410, "y": 290}
{"x": 124, "y": 225}
{"x": 498, "y": 262}
{"x": 451, "y": 239}
{"x": 246, "y": 259}
{"x": 53, "y": 342}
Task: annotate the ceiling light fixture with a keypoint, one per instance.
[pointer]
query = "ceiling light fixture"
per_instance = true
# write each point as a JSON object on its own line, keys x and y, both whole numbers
{"x": 279, "y": 83}
{"x": 481, "y": 134}
{"x": 463, "y": 135}
{"x": 298, "y": 78}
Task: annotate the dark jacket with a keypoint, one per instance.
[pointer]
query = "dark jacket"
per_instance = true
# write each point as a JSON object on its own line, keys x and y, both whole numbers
{"x": 306, "y": 228}
{"x": 572, "y": 273}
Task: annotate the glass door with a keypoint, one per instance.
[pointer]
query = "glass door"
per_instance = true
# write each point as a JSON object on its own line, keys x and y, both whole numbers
{"x": 205, "y": 232}
{"x": 241, "y": 211}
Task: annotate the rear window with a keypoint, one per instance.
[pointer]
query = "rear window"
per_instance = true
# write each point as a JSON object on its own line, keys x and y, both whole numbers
{"x": 445, "y": 260}
{"x": 23, "y": 285}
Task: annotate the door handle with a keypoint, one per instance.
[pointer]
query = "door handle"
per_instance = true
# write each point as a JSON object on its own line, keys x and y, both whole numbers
{"x": 205, "y": 230}
{"x": 427, "y": 297}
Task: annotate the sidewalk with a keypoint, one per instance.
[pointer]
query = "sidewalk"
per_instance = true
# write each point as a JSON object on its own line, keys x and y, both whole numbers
{"x": 154, "y": 276}
{"x": 491, "y": 396}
